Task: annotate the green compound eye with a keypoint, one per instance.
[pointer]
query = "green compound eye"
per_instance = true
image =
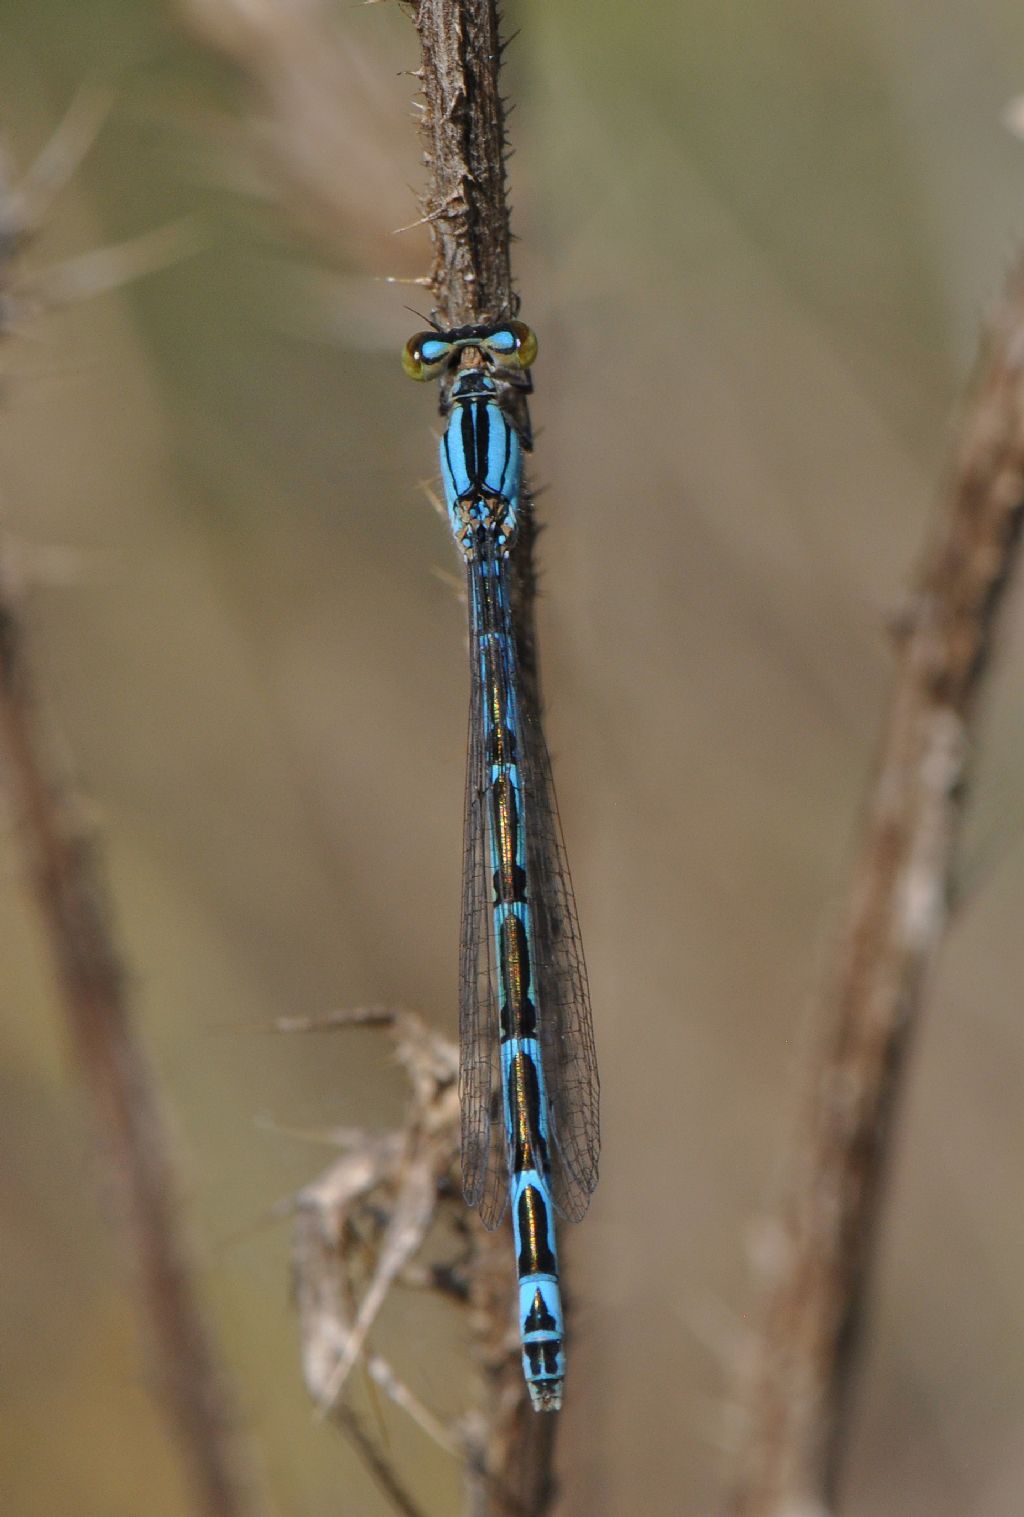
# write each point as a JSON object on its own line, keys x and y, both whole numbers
{"x": 514, "y": 344}
{"x": 425, "y": 355}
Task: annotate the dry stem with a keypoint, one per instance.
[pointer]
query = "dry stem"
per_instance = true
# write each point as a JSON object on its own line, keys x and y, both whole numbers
{"x": 464, "y": 127}
{"x": 67, "y": 880}
{"x": 467, "y": 211}
{"x": 901, "y": 890}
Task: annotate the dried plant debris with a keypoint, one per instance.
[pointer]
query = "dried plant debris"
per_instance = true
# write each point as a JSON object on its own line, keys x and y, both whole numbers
{"x": 361, "y": 1225}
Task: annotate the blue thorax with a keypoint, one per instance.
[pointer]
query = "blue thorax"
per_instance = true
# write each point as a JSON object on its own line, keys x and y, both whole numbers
{"x": 481, "y": 465}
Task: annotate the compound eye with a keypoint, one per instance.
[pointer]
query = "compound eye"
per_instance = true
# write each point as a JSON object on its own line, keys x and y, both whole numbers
{"x": 514, "y": 344}
{"x": 425, "y": 355}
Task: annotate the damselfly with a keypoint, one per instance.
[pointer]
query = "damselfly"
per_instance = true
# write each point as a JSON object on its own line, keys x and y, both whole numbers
{"x": 528, "y": 1074}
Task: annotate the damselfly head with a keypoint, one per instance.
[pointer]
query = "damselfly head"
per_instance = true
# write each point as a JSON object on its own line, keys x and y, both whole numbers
{"x": 504, "y": 345}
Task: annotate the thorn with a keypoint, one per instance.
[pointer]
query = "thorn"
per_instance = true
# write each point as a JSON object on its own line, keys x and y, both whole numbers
{"x": 423, "y": 220}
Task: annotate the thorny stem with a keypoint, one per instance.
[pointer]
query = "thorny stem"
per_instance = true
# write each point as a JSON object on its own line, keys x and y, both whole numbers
{"x": 67, "y": 879}
{"x": 467, "y": 212}
{"x": 899, "y": 905}
{"x": 464, "y": 127}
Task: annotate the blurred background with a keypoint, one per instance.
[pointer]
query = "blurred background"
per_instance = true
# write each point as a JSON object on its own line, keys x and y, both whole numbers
{"x": 756, "y": 242}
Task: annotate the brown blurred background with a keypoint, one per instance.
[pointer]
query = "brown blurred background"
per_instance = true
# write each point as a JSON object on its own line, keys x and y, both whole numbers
{"x": 756, "y": 242}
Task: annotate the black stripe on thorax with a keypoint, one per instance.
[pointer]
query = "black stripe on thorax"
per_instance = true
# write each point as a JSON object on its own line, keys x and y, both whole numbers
{"x": 470, "y": 441}
{"x": 476, "y": 428}
{"x": 475, "y": 424}
{"x": 482, "y": 430}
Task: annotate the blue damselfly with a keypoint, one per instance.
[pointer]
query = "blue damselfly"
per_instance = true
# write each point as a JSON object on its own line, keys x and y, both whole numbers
{"x": 528, "y": 1074}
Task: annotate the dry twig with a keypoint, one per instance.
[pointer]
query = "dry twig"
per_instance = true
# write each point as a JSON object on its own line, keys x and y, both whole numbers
{"x": 464, "y": 127}
{"x": 899, "y": 905}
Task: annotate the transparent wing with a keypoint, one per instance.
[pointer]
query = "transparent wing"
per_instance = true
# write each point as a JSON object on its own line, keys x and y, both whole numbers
{"x": 485, "y": 1159}
{"x": 559, "y": 973}
{"x": 566, "y": 1026}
